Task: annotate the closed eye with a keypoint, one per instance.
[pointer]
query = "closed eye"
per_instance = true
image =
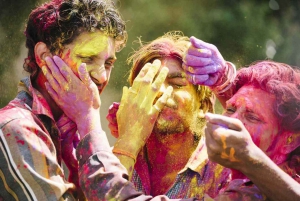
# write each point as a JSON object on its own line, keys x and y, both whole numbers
{"x": 230, "y": 110}
{"x": 253, "y": 118}
{"x": 86, "y": 60}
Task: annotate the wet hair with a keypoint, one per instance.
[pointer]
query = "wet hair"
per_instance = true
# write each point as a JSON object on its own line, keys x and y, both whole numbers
{"x": 59, "y": 22}
{"x": 172, "y": 44}
{"x": 281, "y": 80}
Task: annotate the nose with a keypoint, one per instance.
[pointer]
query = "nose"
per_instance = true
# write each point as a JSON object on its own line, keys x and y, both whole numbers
{"x": 99, "y": 75}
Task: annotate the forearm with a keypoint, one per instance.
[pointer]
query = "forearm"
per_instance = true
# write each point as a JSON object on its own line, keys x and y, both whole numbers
{"x": 270, "y": 179}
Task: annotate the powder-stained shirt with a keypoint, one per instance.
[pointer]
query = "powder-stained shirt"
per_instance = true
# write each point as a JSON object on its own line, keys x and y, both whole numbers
{"x": 30, "y": 167}
{"x": 199, "y": 176}
{"x": 30, "y": 155}
{"x": 102, "y": 177}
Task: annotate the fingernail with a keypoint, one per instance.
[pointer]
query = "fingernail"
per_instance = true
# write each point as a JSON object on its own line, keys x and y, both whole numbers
{"x": 157, "y": 62}
{"x": 44, "y": 69}
{"x": 201, "y": 50}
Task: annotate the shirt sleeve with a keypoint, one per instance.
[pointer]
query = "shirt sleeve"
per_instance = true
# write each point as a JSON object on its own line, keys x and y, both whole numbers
{"x": 238, "y": 190}
{"x": 29, "y": 169}
{"x": 103, "y": 177}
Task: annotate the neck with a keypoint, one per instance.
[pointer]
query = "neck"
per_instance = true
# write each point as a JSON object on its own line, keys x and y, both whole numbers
{"x": 39, "y": 84}
{"x": 167, "y": 155}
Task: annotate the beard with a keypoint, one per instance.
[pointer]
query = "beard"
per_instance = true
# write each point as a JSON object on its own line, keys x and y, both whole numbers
{"x": 168, "y": 126}
{"x": 172, "y": 124}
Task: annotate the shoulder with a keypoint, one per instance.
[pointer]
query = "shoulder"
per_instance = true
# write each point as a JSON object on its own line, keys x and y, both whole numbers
{"x": 16, "y": 111}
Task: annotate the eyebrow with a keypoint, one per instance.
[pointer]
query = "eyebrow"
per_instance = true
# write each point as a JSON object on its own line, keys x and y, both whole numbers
{"x": 176, "y": 75}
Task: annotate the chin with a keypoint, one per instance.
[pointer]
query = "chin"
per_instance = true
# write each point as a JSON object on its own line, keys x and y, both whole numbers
{"x": 163, "y": 126}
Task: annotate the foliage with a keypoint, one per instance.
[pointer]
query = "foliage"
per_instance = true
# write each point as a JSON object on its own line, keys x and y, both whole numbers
{"x": 243, "y": 30}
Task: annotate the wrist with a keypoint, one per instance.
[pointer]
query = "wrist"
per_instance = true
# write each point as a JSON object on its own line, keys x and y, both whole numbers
{"x": 226, "y": 79}
{"x": 129, "y": 148}
{"x": 88, "y": 123}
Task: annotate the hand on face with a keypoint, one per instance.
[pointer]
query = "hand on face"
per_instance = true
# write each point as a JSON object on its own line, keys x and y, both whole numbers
{"x": 228, "y": 142}
{"x": 138, "y": 110}
{"x": 77, "y": 97}
{"x": 203, "y": 63}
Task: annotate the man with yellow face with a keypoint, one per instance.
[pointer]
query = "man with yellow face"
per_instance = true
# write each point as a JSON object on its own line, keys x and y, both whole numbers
{"x": 36, "y": 135}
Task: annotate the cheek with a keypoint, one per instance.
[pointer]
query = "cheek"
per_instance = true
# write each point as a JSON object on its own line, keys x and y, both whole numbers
{"x": 261, "y": 136}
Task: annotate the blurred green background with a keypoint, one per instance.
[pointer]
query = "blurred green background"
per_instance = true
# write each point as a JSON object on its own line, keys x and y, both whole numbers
{"x": 243, "y": 30}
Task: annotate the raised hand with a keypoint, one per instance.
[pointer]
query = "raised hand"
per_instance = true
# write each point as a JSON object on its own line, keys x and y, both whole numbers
{"x": 203, "y": 63}
{"x": 78, "y": 97}
{"x": 228, "y": 141}
{"x": 138, "y": 109}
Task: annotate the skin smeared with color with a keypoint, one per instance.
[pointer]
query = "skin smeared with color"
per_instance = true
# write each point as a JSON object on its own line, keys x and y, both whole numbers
{"x": 254, "y": 107}
{"x": 97, "y": 51}
{"x": 178, "y": 128}
{"x": 229, "y": 156}
{"x": 262, "y": 126}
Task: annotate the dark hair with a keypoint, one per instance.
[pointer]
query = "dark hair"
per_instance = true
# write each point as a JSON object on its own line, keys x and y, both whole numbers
{"x": 172, "y": 44}
{"x": 59, "y": 22}
{"x": 281, "y": 80}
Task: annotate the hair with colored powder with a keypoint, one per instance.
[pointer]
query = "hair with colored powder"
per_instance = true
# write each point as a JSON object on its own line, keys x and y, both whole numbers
{"x": 172, "y": 44}
{"x": 59, "y": 22}
{"x": 281, "y": 80}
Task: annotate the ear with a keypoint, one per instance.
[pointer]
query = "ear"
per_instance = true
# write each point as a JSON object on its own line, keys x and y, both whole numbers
{"x": 41, "y": 51}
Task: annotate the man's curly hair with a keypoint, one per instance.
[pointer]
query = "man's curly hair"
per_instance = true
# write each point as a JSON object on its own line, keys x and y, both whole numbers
{"x": 59, "y": 22}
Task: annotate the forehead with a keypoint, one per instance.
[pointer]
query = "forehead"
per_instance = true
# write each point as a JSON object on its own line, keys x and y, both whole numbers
{"x": 173, "y": 64}
{"x": 92, "y": 43}
{"x": 255, "y": 99}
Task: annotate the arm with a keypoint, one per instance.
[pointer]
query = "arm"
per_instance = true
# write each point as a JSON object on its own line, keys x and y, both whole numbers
{"x": 29, "y": 169}
{"x": 138, "y": 112}
{"x": 101, "y": 175}
{"x": 229, "y": 144}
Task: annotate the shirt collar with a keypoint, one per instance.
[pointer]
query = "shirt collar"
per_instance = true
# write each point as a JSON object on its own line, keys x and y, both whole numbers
{"x": 39, "y": 103}
{"x": 198, "y": 159}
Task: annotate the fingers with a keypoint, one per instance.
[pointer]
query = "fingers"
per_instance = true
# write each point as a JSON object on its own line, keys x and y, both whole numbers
{"x": 65, "y": 72}
{"x": 209, "y": 69}
{"x": 55, "y": 71}
{"x": 191, "y": 60}
{"x": 196, "y": 79}
{"x": 146, "y": 81}
{"x": 213, "y": 78}
{"x": 197, "y": 43}
{"x": 138, "y": 80}
{"x": 227, "y": 122}
{"x": 52, "y": 92}
{"x": 124, "y": 97}
{"x": 53, "y": 85}
{"x": 156, "y": 85}
{"x": 199, "y": 52}
{"x": 161, "y": 102}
